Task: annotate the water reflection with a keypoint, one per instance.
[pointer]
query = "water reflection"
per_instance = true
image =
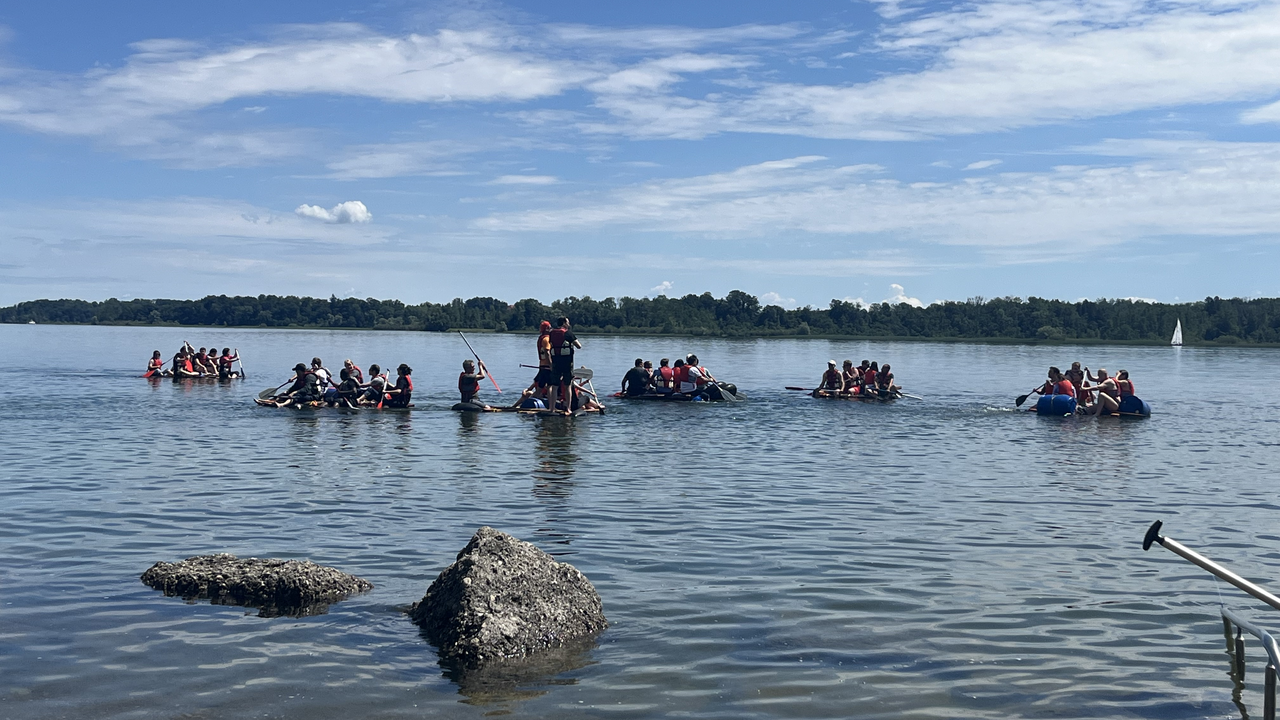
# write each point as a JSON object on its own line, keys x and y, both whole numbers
{"x": 506, "y": 682}
{"x": 555, "y": 461}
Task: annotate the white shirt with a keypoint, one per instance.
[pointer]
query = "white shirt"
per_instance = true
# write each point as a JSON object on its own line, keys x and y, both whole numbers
{"x": 694, "y": 376}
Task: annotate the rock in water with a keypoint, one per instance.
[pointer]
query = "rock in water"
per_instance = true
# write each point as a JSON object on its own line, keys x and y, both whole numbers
{"x": 505, "y": 598}
{"x": 276, "y": 587}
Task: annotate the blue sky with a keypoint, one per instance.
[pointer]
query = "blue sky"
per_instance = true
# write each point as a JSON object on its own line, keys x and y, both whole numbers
{"x": 802, "y": 152}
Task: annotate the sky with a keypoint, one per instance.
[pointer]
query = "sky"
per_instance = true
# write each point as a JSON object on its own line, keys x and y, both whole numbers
{"x": 870, "y": 150}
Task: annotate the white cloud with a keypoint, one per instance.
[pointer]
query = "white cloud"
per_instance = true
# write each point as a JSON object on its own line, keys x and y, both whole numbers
{"x": 1172, "y": 188}
{"x": 670, "y": 38}
{"x": 982, "y": 164}
{"x": 525, "y": 180}
{"x": 773, "y": 298}
{"x": 900, "y": 297}
{"x": 433, "y": 157}
{"x": 661, "y": 288}
{"x": 351, "y": 211}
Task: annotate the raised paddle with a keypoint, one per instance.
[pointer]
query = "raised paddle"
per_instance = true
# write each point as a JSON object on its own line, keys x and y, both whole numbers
{"x": 240, "y": 360}
{"x": 481, "y": 362}
{"x": 1023, "y": 398}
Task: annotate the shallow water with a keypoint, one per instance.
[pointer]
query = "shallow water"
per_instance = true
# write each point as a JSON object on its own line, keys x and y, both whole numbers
{"x": 778, "y": 558}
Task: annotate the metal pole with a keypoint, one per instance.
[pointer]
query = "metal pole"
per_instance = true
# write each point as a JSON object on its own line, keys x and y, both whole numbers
{"x": 1269, "y": 704}
{"x": 1153, "y": 535}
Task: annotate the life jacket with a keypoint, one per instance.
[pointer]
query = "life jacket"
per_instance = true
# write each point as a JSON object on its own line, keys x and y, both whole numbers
{"x": 884, "y": 379}
{"x": 544, "y": 350}
{"x": 680, "y": 375}
{"x": 469, "y": 386}
{"x": 832, "y": 379}
{"x": 560, "y": 347}
{"x": 356, "y": 373}
{"x": 1112, "y": 390}
{"x": 868, "y": 377}
{"x": 702, "y": 374}
{"x": 1064, "y": 387}
{"x": 225, "y": 361}
{"x": 665, "y": 377}
{"x": 186, "y": 364}
{"x": 1126, "y": 390}
{"x": 155, "y": 364}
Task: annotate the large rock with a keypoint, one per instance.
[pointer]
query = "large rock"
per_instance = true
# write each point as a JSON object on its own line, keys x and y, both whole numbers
{"x": 275, "y": 587}
{"x": 505, "y": 598}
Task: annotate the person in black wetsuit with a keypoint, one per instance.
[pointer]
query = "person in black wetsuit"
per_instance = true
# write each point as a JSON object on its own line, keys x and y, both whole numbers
{"x": 636, "y": 381}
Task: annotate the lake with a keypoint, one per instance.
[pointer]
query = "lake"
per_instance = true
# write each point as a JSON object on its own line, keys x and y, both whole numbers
{"x": 778, "y": 558}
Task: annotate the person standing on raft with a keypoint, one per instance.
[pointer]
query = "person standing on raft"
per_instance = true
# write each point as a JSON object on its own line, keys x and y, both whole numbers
{"x": 832, "y": 382}
{"x": 563, "y": 343}
{"x": 636, "y": 381}
{"x": 469, "y": 382}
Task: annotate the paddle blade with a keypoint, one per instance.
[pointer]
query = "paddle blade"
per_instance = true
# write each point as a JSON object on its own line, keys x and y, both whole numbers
{"x": 583, "y": 373}
{"x": 269, "y": 392}
{"x": 797, "y": 388}
{"x": 1021, "y": 399}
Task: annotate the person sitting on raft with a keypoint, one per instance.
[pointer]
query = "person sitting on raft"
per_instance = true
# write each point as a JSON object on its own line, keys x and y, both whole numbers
{"x": 226, "y": 364}
{"x": 202, "y": 364}
{"x": 155, "y": 366}
{"x": 850, "y": 376}
{"x": 354, "y": 370}
{"x": 870, "y": 372}
{"x": 664, "y": 377}
{"x": 376, "y": 386}
{"x": 648, "y": 374}
{"x": 400, "y": 395}
{"x": 322, "y": 373}
{"x": 699, "y": 380}
{"x": 469, "y": 382}
{"x": 1124, "y": 384}
{"x": 1057, "y": 384}
{"x": 884, "y": 383}
{"x": 305, "y": 389}
{"x": 182, "y": 366}
{"x": 636, "y": 381}
{"x": 832, "y": 382}
{"x": 348, "y": 391}
{"x": 1108, "y": 394}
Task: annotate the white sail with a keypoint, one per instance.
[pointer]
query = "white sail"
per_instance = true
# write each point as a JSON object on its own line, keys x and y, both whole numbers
{"x": 1177, "y": 334}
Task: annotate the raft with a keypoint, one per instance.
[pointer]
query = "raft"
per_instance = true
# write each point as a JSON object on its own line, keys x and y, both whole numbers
{"x": 682, "y": 397}
{"x": 1062, "y": 405}
{"x": 863, "y": 398}
{"x": 322, "y": 405}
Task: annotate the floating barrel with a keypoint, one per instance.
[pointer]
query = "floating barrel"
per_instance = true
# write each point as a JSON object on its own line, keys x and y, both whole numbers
{"x": 533, "y": 404}
{"x": 468, "y": 407}
{"x": 1056, "y": 405}
{"x": 1131, "y": 405}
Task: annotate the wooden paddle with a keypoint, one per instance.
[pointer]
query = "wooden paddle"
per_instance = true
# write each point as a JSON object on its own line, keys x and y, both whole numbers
{"x": 481, "y": 363}
{"x": 239, "y": 359}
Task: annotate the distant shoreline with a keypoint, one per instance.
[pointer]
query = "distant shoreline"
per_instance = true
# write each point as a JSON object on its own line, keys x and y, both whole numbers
{"x": 596, "y": 332}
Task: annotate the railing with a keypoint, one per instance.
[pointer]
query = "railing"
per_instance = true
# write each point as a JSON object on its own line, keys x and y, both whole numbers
{"x": 1230, "y": 620}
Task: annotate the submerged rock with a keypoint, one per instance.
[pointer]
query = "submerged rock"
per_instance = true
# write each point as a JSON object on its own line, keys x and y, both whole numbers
{"x": 276, "y": 587}
{"x": 505, "y": 598}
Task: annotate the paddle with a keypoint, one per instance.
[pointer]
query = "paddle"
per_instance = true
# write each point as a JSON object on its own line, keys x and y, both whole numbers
{"x": 243, "y": 374}
{"x": 724, "y": 392}
{"x": 481, "y": 362}
{"x": 789, "y": 387}
{"x": 270, "y": 392}
{"x": 1023, "y": 398}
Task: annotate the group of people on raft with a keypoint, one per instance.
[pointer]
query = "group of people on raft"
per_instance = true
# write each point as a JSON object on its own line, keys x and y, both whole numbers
{"x": 554, "y": 389}
{"x": 868, "y": 380}
{"x": 315, "y": 385}
{"x": 684, "y": 377}
{"x": 1103, "y": 396}
{"x": 191, "y": 363}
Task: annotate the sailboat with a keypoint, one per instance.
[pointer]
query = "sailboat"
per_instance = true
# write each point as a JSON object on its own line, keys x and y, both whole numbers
{"x": 1177, "y": 335}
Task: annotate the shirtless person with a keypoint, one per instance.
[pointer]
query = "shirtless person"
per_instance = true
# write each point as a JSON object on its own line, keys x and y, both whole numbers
{"x": 1108, "y": 394}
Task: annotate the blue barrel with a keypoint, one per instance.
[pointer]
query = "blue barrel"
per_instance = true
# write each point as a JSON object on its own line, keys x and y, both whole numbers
{"x": 1056, "y": 405}
{"x": 1135, "y": 406}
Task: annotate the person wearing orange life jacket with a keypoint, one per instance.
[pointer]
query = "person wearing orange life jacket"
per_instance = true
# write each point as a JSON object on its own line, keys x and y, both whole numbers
{"x": 155, "y": 366}
{"x": 1124, "y": 384}
{"x": 664, "y": 377}
{"x": 374, "y": 389}
{"x": 400, "y": 395}
{"x": 832, "y": 381}
{"x": 695, "y": 376}
{"x": 226, "y": 364}
{"x": 679, "y": 374}
{"x": 354, "y": 370}
{"x": 563, "y": 343}
{"x": 1108, "y": 394}
{"x": 182, "y": 366}
{"x": 1057, "y": 384}
{"x": 869, "y": 373}
{"x": 884, "y": 383}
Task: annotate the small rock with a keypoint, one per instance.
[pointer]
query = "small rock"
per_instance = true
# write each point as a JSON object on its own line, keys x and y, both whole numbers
{"x": 505, "y": 598}
{"x": 276, "y": 587}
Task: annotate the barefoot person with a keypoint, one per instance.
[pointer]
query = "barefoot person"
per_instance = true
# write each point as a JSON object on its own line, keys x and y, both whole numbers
{"x": 402, "y": 393}
{"x": 1108, "y": 395}
{"x": 376, "y": 386}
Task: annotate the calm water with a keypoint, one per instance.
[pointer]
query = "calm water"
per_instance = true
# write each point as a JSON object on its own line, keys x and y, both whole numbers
{"x": 779, "y": 558}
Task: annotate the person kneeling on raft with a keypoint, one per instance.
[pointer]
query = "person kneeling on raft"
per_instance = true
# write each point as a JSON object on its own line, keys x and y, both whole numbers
{"x": 469, "y": 382}
{"x": 636, "y": 381}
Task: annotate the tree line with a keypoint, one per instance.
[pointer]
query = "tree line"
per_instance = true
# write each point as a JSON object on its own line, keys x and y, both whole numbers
{"x": 738, "y": 314}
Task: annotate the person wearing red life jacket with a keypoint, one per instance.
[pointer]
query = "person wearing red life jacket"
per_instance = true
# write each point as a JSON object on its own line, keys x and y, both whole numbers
{"x": 884, "y": 383}
{"x": 1124, "y": 383}
{"x": 182, "y": 366}
{"x": 664, "y": 377}
{"x": 353, "y": 370}
{"x": 226, "y": 364}
{"x": 400, "y": 395}
{"x": 1108, "y": 394}
{"x": 1057, "y": 384}
{"x": 374, "y": 389}
{"x": 679, "y": 374}
{"x": 832, "y": 382}
{"x": 869, "y": 375}
{"x": 563, "y": 344}
{"x": 469, "y": 382}
{"x": 155, "y": 366}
